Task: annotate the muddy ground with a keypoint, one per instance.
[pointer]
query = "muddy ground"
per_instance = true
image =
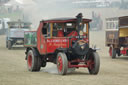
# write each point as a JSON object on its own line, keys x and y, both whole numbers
{"x": 13, "y": 68}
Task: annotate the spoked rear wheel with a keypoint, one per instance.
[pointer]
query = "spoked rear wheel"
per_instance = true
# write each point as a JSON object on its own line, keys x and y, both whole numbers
{"x": 9, "y": 45}
{"x": 112, "y": 52}
{"x": 33, "y": 62}
{"x": 6, "y": 44}
{"x": 94, "y": 63}
{"x": 62, "y": 63}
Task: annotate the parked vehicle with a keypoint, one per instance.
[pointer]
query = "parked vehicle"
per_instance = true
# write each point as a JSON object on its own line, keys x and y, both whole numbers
{"x": 63, "y": 41}
{"x": 3, "y": 25}
{"x": 15, "y": 33}
{"x": 117, "y": 36}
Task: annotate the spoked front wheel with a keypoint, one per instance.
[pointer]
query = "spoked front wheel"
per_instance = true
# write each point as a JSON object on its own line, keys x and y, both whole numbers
{"x": 93, "y": 63}
{"x": 62, "y": 63}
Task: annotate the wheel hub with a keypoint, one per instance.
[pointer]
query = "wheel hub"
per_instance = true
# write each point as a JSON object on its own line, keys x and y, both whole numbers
{"x": 60, "y": 63}
{"x": 30, "y": 61}
{"x": 90, "y": 63}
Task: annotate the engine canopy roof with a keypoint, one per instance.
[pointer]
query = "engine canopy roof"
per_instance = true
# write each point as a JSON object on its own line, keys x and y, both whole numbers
{"x": 64, "y": 20}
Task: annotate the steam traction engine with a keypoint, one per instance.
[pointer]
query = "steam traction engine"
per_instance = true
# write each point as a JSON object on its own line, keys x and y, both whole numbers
{"x": 63, "y": 41}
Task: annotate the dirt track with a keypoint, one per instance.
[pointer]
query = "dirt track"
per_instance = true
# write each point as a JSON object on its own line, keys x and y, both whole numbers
{"x": 13, "y": 69}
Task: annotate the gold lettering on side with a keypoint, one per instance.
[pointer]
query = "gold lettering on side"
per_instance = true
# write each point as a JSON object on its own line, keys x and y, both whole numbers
{"x": 55, "y": 44}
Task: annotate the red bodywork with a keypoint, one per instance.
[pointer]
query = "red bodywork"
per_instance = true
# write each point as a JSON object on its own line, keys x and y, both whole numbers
{"x": 124, "y": 51}
{"x": 54, "y": 43}
{"x": 49, "y": 45}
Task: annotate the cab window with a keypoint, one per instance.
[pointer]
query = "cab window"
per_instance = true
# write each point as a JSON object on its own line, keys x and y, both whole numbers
{"x": 85, "y": 28}
{"x": 44, "y": 29}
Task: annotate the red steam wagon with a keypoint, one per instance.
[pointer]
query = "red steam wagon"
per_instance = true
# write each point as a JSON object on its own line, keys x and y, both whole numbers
{"x": 63, "y": 41}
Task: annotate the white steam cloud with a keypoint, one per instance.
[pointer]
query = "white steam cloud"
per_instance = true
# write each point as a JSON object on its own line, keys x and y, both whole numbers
{"x": 37, "y": 10}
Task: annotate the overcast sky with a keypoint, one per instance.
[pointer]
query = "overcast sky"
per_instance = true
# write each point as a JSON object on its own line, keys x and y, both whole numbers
{"x": 36, "y": 10}
{"x": 52, "y": 1}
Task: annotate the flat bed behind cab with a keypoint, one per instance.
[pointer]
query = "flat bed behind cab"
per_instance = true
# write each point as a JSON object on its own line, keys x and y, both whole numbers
{"x": 30, "y": 39}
